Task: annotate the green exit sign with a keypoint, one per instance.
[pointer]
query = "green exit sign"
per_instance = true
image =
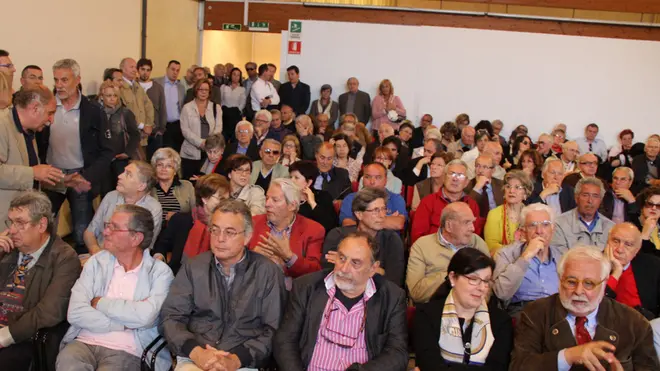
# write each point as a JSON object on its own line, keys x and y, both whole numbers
{"x": 231, "y": 26}
{"x": 259, "y": 26}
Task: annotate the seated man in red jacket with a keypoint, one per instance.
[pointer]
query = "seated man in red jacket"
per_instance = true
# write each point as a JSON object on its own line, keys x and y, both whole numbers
{"x": 290, "y": 240}
{"x": 427, "y": 216}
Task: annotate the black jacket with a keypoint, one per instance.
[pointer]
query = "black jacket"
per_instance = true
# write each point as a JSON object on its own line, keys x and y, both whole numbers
{"x": 607, "y": 207}
{"x": 339, "y": 185}
{"x": 95, "y": 141}
{"x": 252, "y": 153}
{"x": 391, "y": 256}
{"x": 173, "y": 239}
{"x": 641, "y": 169}
{"x": 646, "y": 270}
{"x": 566, "y": 197}
{"x": 410, "y": 179}
{"x": 324, "y": 212}
{"x": 297, "y": 98}
{"x": 426, "y": 332}
{"x": 647, "y": 245}
{"x": 386, "y": 332}
{"x": 418, "y": 138}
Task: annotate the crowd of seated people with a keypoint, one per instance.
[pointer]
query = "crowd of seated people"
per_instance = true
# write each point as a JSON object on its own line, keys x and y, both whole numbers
{"x": 247, "y": 228}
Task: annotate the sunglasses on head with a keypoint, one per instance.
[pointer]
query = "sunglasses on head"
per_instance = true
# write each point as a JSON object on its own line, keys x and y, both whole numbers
{"x": 269, "y": 151}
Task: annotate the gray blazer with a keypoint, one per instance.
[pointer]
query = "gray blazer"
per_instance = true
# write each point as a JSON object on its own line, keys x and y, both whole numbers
{"x": 157, "y": 96}
{"x": 361, "y": 108}
{"x": 569, "y": 231}
{"x": 179, "y": 87}
{"x": 279, "y": 171}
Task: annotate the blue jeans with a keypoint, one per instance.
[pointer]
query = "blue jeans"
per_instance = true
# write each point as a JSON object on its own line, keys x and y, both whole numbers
{"x": 82, "y": 211}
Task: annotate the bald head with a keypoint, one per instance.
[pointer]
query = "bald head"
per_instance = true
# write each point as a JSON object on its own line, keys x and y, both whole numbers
{"x": 467, "y": 135}
{"x": 494, "y": 150}
{"x": 569, "y": 151}
{"x": 128, "y": 68}
{"x": 624, "y": 242}
{"x": 453, "y": 211}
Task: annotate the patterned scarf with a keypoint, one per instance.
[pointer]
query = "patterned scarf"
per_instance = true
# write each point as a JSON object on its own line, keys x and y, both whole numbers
{"x": 451, "y": 344}
{"x": 199, "y": 238}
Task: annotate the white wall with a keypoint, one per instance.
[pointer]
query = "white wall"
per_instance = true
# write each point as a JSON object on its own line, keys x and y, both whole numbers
{"x": 240, "y": 48}
{"x": 97, "y": 34}
{"x": 521, "y": 78}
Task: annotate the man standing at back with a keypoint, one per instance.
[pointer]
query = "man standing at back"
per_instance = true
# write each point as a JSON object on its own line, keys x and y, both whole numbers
{"x": 263, "y": 94}
{"x": 136, "y": 99}
{"x": 78, "y": 142}
{"x": 355, "y": 101}
{"x": 174, "y": 94}
{"x": 418, "y": 133}
{"x": 294, "y": 92}
{"x": 251, "y": 69}
{"x": 156, "y": 95}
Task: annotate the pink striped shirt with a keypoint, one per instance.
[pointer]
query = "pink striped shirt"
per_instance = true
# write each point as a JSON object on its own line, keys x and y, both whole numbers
{"x": 341, "y": 326}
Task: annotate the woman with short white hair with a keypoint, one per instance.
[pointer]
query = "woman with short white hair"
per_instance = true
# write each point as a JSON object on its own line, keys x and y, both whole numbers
{"x": 174, "y": 194}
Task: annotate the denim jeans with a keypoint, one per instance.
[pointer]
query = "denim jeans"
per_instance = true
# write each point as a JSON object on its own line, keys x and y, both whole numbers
{"x": 82, "y": 211}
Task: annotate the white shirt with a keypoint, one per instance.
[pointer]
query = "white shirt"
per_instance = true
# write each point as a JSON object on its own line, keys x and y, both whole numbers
{"x": 146, "y": 85}
{"x": 598, "y": 147}
{"x": 232, "y": 97}
{"x": 262, "y": 89}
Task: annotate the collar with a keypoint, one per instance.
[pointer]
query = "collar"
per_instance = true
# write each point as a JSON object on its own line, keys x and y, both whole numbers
{"x": 285, "y": 230}
{"x": 443, "y": 241}
{"x": 19, "y": 126}
{"x": 591, "y": 317}
{"x": 75, "y": 106}
{"x": 369, "y": 290}
{"x": 594, "y": 220}
{"x": 167, "y": 81}
{"x": 130, "y": 83}
{"x": 175, "y": 183}
{"x": 35, "y": 255}
{"x": 626, "y": 267}
{"x": 240, "y": 146}
{"x": 134, "y": 270}
{"x": 443, "y": 195}
{"x": 232, "y": 267}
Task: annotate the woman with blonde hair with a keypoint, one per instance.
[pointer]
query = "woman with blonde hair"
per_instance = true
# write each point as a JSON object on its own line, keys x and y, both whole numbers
{"x": 386, "y": 108}
{"x": 291, "y": 151}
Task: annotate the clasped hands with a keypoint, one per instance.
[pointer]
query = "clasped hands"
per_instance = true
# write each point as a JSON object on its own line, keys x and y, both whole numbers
{"x": 211, "y": 359}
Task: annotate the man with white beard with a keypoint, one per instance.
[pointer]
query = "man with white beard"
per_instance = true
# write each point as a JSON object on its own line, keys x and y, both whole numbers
{"x": 579, "y": 328}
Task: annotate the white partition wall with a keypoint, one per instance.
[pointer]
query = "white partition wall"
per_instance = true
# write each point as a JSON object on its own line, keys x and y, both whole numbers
{"x": 521, "y": 78}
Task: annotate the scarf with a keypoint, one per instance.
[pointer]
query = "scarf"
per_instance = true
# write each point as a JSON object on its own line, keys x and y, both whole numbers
{"x": 451, "y": 344}
{"x": 655, "y": 238}
{"x": 199, "y": 238}
{"x": 320, "y": 109}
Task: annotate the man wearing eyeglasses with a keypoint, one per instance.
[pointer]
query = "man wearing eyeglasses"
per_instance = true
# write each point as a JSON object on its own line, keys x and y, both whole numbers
{"x": 487, "y": 191}
{"x": 580, "y": 328}
{"x": 369, "y": 207}
{"x": 551, "y": 191}
{"x": 349, "y": 318}
{"x": 6, "y": 65}
{"x": 251, "y": 69}
{"x": 527, "y": 271}
{"x": 619, "y": 203}
{"x": 584, "y": 224}
{"x": 587, "y": 167}
{"x": 430, "y": 255}
{"x": 544, "y": 146}
{"x": 225, "y": 305}
{"x": 37, "y": 271}
{"x": 268, "y": 168}
{"x": 243, "y": 145}
{"x": 115, "y": 304}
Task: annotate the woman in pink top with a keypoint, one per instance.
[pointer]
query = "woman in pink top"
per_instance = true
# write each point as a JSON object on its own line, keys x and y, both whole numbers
{"x": 383, "y": 103}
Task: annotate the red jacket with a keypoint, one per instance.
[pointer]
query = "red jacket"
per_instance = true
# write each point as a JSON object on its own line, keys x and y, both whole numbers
{"x": 427, "y": 215}
{"x": 306, "y": 242}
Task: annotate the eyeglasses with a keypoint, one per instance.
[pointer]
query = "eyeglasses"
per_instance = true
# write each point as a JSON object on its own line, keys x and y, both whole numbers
{"x": 651, "y": 205}
{"x": 205, "y": 90}
{"x": 229, "y": 233}
{"x": 572, "y": 283}
{"x": 459, "y": 176}
{"x": 161, "y": 165}
{"x": 290, "y": 146}
{"x": 273, "y": 152}
{"x": 242, "y": 171}
{"x": 483, "y": 167}
{"x": 542, "y": 223}
{"x": 8, "y": 65}
{"x": 377, "y": 210}
{"x": 513, "y": 188}
{"x": 19, "y": 224}
{"x": 475, "y": 281}
{"x": 383, "y": 158}
{"x": 244, "y": 131}
{"x": 618, "y": 179}
{"x": 113, "y": 228}
{"x": 589, "y": 163}
{"x": 593, "y": 196}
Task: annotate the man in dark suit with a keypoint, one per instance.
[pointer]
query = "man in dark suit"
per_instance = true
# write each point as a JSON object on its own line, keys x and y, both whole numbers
{"x": 587, "y": 167}
{"x": 635, "y": 276}
{"x": 643, "y": 163}
{"x": 550, "y": 191}
{"x": 619, "y": 203}
{"x": 355, "y": 101}
{"x": 295, "y": 93}
{"x": 418, "y": 133}
{"x": 580, "y": 327}
{"x": 418, "y": 169}
{"x": 245, "y": 145}
{"x": 78, "y": 142}
{"x": 384, "y": 132}
{"x": 156, "y": 94}
{"x": 174, "y": 93}
{"x": 484, "y": 189}
{"x": 332, "y": 179}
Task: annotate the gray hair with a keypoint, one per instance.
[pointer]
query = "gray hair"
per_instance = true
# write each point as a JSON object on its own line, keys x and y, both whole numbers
{"x": 450, "y": 213}
{"x": 271, "y": 141}
{"x": 265, "y": 113}
{"x": 68, "y": 64}
{"x": 590, "y": 180}
{"x": 565, "y": 145}
{"x": 141, "y": 221}
{"x": 371, "y": 242}
{"x": 37, "y": 204}
{"x": 146, "y": 173}
{"x": 166, "y": 153}
{"x": 365, "y": 196}
{"x": 214, "y": 141}
{"x": 523, "y": 178}
{"x": 586, "y": 252}
{"x": 652, "y": 138}
{"x": 244, "y": 122}
{"x": 550, "y": 161}
{"x": 236, "y": 207}
{"x": 584, "y": 155}
{"x": 432, "y": 133}
{"x": 629, "y": 171}
{"x": 292, "y": 193}
{"x": 457, "y": 161}
{"x": 39, "y": 94}
{"x": 486, "y": 157}
{"x": 537, "y": 207}
{"x": 307, "y": 119}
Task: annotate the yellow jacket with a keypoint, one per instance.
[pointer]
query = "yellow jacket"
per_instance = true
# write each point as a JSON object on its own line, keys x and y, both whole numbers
{"x": 136, "y": 99}
{"x": 494, "y": 230}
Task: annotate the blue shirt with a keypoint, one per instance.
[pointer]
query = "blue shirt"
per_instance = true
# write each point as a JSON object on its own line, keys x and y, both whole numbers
{"x": 394, "y": 203}
{"x": 540, "y": 280}
{"x": 241, "y": 150}
{"x": 172, "y": 100}
{"x": 318, "y": 183}
{"x": 554, "y": 203}
{"x": 491, "y": 197}
{"x": 594, "y": 221}
{"x": 591, "y": 324}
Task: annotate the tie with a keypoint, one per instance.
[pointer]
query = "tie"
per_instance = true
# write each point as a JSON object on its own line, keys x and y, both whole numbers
{"x": 325, "y": 177}
{"x": 591, "y": 148}
{"x": 581, "y": 334}
{"x": 19, "y": 276}
{"x": 484, "y": 203}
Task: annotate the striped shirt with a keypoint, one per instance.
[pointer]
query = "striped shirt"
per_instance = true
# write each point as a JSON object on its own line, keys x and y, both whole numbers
{"x": 341, "y": 338}
{"x": 167, "y": 200}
